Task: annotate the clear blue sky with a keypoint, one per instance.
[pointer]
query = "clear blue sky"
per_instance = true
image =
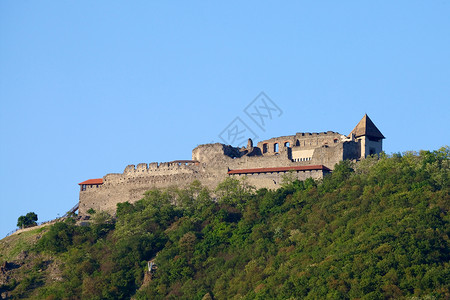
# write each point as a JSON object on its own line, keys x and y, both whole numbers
{"x": 88, "y": 87}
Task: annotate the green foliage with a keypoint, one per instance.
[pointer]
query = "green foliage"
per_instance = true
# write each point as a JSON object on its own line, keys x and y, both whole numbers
{"x": 234, "y": 192}
{"x": 372, "y": 230}
{"x": 29, "y": 220}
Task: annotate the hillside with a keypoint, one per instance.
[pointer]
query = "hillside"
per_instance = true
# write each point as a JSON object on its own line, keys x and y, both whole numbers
{"x": 377, "y": 229}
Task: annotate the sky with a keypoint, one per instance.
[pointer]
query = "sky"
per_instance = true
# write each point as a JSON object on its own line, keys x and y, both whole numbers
{"x": 89, "y": 87}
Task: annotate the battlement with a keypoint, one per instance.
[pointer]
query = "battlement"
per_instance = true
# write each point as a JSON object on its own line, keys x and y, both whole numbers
{"x": 151, "y": 170}
{"x": 309, "y": 154}
{"x": 309, "y": 134}
{"x": 157, "y": 167}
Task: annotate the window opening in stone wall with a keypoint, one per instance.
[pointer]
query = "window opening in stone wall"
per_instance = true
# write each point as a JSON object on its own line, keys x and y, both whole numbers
{"x": 372, "y": 151}
{"x": 264, "y": 148}
{"x": 83, "y": 187}
{"x": 275, "y": 147}
{"x": 287, "y": 144}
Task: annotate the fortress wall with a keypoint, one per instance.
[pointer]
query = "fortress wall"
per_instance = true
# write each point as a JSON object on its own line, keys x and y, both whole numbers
{"x": 274, "y": 180}
{"x": 328, "y": 156}
{"x": 210, "y": 152}
{"x": 218, "y": 159}
{"x": 251, "y": 162}
{"x": 352, "y": 150}
{"x": 309, "y": 140}
{"x": 91, "y": 199}
{"x": 304, "y": 140}
{"x": 215, "y": 160}
{"x": 281, "y": 141}
{"x": 222, "y": 163}
{"x": 131, "y": 189}
{"x": 211, "y": 162}
{"x": 106, "y": 197}
{"x": 152, "y": 169}
{"x": 134, "y": 181}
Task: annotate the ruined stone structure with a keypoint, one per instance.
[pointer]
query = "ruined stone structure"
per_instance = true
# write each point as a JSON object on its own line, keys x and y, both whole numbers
{"x": 306, "y": 154}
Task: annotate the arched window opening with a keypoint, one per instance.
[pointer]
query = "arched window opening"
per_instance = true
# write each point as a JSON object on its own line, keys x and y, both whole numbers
{"x": 275, "y": 147}
{"x": 265, "y": 146}
{"x": 287, "y": 144}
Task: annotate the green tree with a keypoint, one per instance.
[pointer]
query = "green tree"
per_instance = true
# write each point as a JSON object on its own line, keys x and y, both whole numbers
{"x": 29, "y": 220}
{"x": 234, "y": 191}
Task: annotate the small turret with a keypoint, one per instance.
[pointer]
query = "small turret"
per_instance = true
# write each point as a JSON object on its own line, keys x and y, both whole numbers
{"x": 369, "y": 136}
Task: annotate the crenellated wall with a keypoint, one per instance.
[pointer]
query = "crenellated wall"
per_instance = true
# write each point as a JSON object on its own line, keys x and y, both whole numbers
{"x": 135, "y": 180}
{"x": 210, "y": 165}
{"x": 211, "y": 162}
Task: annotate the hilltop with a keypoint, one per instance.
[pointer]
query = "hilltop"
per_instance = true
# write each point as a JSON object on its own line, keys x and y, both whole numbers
{"x": 376, "y": 229}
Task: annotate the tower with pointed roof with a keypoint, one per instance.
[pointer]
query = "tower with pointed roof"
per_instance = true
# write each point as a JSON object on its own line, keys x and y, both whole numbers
{"x": 369, "y": 137}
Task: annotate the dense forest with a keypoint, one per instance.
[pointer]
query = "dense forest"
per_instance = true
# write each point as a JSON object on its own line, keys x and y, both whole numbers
{"x": 376, "y": 229}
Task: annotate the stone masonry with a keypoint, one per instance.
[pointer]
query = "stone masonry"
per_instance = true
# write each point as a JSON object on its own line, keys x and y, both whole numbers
{"x": 306, "y": 154}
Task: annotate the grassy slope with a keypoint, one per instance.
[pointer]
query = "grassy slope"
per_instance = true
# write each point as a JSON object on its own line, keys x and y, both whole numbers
{"x": 11, "y": 246}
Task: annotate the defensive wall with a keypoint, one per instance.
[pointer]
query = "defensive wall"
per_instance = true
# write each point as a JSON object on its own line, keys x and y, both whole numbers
{"x": 210, "y": 165}
{"x": 307, "y": 155}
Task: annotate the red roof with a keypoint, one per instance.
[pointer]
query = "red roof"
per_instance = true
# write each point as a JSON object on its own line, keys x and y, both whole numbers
{"x": 279, "y": 169}
{"x": 92, "y": 181}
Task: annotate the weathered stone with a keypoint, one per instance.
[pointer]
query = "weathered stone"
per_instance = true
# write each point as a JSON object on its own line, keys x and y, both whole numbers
{"x": 211, "y": 162}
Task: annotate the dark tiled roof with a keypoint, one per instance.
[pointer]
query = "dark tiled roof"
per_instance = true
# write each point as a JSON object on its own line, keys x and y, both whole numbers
{"x": 366, "y": 127}
{"x": 92, "y": 181}
{"x": 279, "y": 169}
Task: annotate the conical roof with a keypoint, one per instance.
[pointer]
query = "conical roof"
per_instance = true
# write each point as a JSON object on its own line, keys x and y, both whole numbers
{"x": 366, "y": 127}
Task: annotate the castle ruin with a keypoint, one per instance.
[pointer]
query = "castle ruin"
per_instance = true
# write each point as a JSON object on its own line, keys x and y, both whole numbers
{"x": 305, "y": 154}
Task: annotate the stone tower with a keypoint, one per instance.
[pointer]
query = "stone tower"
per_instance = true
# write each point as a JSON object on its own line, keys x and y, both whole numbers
{"x": 368, "y": 135}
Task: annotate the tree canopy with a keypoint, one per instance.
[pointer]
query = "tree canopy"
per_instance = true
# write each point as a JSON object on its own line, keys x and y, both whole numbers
{"x": 28, "y": 220}
{"x": 373, "y": 230}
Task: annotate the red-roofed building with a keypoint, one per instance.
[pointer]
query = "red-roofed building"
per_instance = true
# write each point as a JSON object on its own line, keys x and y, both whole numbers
{"x": 90, "y": 183}
{"x": 279, "y": 169}
{"x": 271, "y": 177}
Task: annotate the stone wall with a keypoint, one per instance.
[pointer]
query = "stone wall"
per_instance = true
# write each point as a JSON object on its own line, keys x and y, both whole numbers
{"x": 304, "y": 140}
{"x": 211, "y": 162}
{"x": 274, "y": 180}
{"x": 369, "y": 146}
{"x": 132, "y": 188}
{"x": 307, "y": 140}
{"x": 215, "y": 161}
{"x": 210, "y": 165}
